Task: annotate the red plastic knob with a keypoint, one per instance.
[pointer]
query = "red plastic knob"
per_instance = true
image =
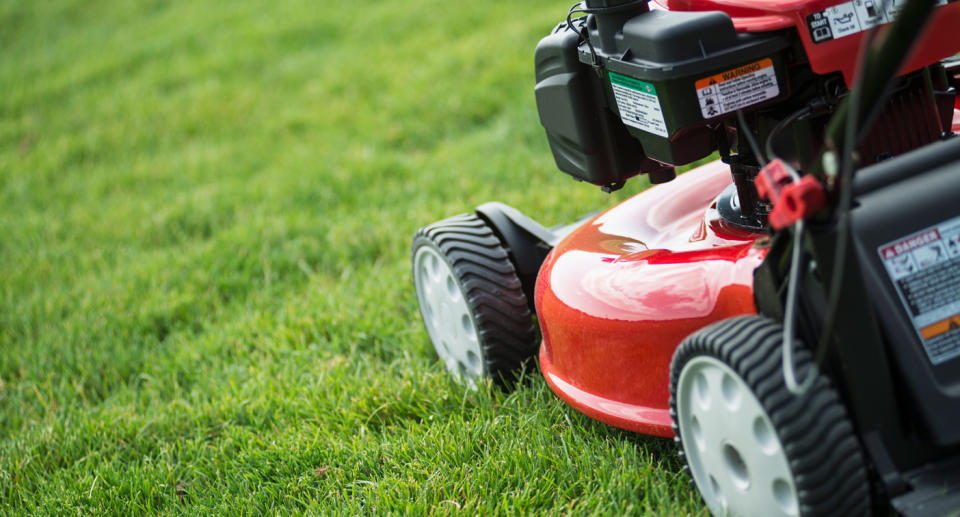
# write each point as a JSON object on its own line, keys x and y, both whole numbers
{"x": 797, "y": 201}
{"x": 771, "y": 179}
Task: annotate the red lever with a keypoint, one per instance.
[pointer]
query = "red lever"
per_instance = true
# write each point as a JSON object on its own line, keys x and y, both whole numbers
{"x": 791, "y": 200}
{"x": 797, "y": 201}
{"x": 773, "y": 176}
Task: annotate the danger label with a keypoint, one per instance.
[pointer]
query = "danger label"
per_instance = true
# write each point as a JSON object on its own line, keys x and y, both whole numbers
{"x": 639, "y": 105}
{"x": 911, "y": 244}
{"x": 734, "y": 89}
{"x": 925, "y": 269}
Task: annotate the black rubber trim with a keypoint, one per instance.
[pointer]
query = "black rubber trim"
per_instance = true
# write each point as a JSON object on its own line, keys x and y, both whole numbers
{"x": 505, "y": 326}
{"x": 817, "y": 437}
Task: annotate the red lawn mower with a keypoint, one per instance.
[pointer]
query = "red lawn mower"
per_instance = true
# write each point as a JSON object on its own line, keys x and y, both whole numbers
{"x": 789, "y": 313}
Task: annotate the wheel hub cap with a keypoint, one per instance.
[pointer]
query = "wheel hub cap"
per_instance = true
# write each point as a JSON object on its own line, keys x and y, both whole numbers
{"x": 735, "y": 456}
{"x": 447, "y": 315}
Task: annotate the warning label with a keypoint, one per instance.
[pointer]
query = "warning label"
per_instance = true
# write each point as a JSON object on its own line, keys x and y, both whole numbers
{"x": 852, "y": 17}
{"x": 639, "y": 105}
{"x": 925, "y": 268}
{"x": 734, "y": 89}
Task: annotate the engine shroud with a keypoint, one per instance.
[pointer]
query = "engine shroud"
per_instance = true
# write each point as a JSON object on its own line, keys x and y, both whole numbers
{"x": 630, "y": 89}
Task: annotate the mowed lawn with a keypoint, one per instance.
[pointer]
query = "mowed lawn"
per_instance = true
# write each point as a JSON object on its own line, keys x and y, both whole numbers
{"x": 205, "y": 298}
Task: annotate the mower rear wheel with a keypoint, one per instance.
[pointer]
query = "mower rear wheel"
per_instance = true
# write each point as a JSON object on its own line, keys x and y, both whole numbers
{"x": 471, "y": 300}
{"x": 751, "y": 446}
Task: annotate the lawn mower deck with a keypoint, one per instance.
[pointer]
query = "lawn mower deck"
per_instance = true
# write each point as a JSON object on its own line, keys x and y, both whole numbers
{"x": 630, "y": 285}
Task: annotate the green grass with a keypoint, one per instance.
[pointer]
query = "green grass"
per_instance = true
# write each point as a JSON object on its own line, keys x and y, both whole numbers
{"x": 205, "y": 303}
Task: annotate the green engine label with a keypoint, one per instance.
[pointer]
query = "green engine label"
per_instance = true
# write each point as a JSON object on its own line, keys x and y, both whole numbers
{"x": 638, "y": 104}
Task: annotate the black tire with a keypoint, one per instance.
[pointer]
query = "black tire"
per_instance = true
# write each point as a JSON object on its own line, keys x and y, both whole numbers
{"x": 487, "y": 280}
{"x": 816, "y": 438}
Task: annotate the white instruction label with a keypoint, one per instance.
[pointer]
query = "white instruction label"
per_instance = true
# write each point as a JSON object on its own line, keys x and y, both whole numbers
{"x": 852, "y": 17}
{"x": 639, "y": 105}
{"x": 734, "y": 89}
{"x": 925, "y": 269}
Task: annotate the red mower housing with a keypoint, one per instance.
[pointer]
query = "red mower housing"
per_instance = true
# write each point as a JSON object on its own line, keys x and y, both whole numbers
{"x": 617, "y": 296}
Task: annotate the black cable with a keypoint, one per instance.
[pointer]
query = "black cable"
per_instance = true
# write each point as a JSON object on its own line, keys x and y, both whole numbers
{"x": 583, "y": 32}
{"x": 748, "y": 135}
{"x": 581, "y": 8}
{"x": 881, "y": 103}
{"x": 882, "y": 66}
{"x": 573, "y": 9}
{"x": 793, "y": 117}
{"x": 843, "y": 207}
{"x": 614, "y": 9}
{"x": 843, "y": 229}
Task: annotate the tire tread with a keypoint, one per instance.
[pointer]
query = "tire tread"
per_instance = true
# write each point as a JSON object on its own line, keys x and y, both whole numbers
{"x": 817, "y": 436}
{"x": 508, "y": 334}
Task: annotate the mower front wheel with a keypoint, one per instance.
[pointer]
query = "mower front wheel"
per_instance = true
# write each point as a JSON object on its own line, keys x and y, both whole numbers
{"x": 752, "y": 446}
{"x": 471, "y": 300}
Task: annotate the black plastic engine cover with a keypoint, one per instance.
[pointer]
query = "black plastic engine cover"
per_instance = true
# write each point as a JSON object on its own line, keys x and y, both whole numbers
{"x": 586, "y": 138}
{"x": 660, "y": 77}
{"x": 681, "y": 70}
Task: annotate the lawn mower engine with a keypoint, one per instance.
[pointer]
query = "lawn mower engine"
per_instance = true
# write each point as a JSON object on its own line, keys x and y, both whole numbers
{"x": 789, "y": 312}
{"x": 630, "y": 89}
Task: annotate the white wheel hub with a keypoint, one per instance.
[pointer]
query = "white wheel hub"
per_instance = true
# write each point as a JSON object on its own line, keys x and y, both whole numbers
{"x": 734, "y": 454}
{"x": 447, "y": 315}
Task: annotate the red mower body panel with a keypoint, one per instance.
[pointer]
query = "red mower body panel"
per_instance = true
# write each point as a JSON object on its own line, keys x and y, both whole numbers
{"x": 832, "y": 52}
{"x": 618, "y": 295}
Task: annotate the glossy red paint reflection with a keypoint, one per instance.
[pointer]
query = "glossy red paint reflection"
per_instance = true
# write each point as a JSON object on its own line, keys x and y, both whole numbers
{"x": 617, "y": 296}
